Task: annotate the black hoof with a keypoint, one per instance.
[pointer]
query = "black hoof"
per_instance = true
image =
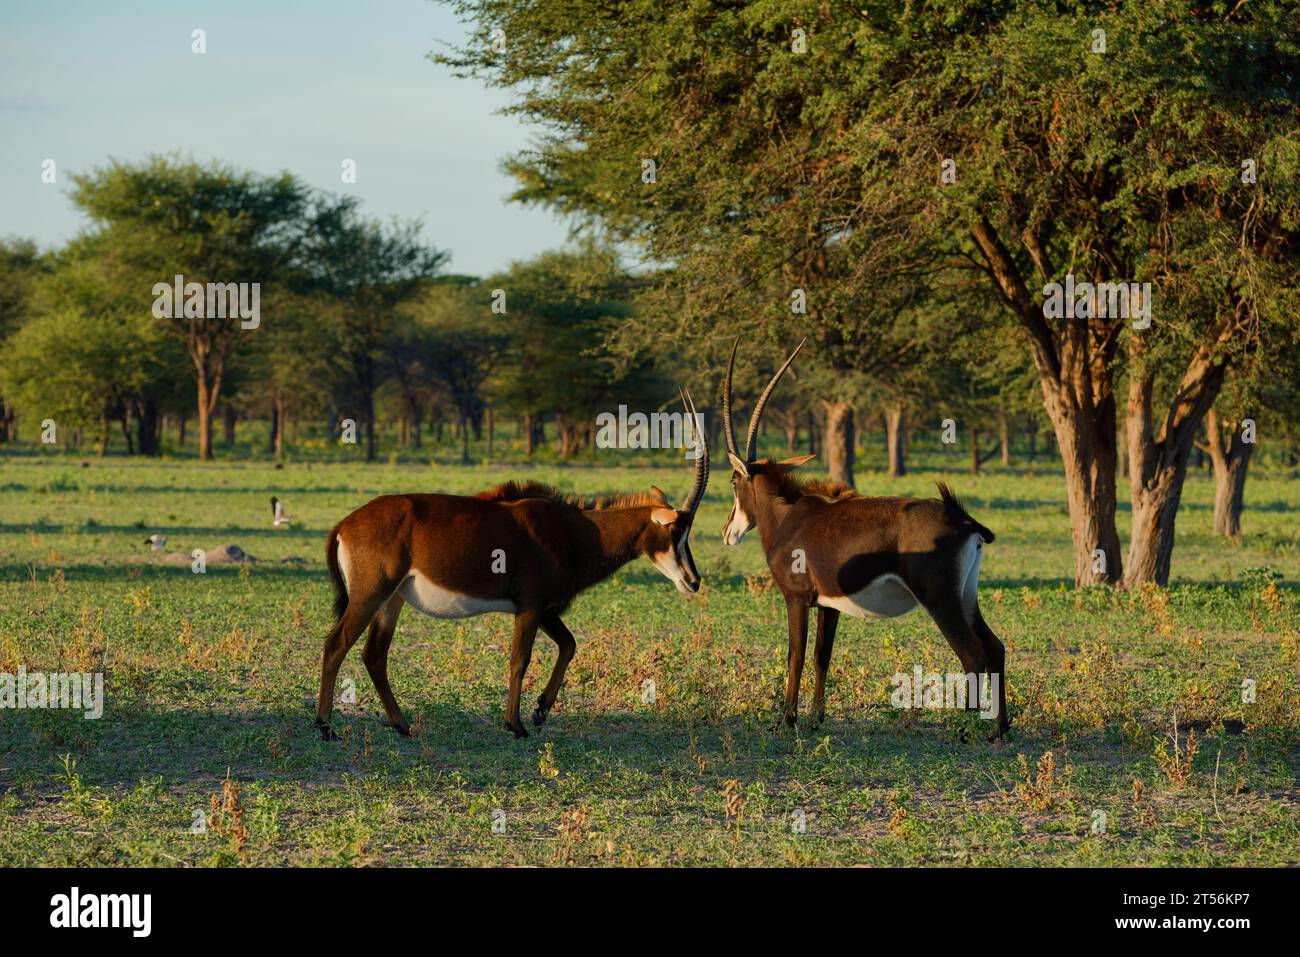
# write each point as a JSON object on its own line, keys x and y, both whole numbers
{"x": 401, "y": 729}
{"x": 539, "y": 717}
{"x": 517, "y": 730}
{"x": 326, "y": 732}
{"x": 791, "y": 720}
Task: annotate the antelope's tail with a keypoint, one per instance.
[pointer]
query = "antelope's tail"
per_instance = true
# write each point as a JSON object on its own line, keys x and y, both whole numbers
{"x": 958, "y": 515}
{"x": 332, "y": 560}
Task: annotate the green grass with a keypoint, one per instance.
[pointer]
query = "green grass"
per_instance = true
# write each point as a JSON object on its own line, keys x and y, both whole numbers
{"x": 213, "y": 677}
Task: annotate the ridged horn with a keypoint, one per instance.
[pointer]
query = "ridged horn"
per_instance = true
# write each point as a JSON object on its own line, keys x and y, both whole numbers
{"x": 728, "y": 430}
{"x": 762, "y": 401}
{"x": 701, "y": 482}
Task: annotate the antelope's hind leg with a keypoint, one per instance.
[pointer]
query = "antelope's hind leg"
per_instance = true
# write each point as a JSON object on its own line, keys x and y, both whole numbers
{"x": 565, "y": 649}
{"x": 827, "y": 619}
{"x": 358, "y": 614}
{"x": 375, "y": 655}
{"x": 974, "y": 652}
{"x": 996, "y": 655}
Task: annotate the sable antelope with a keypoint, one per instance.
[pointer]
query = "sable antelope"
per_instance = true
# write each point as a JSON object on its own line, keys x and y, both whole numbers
{"x": 278, "y": 515}
{"x": 865, "y": 557}
{"x": 523, "y": 549}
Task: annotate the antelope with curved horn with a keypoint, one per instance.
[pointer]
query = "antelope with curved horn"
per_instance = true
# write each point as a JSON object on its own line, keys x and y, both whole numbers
{"x": 843, "y": 553}
{"x": 522, "y": 549}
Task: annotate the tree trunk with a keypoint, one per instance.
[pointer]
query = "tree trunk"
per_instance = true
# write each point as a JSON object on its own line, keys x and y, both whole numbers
{"x": 126, "y": 431}
{"x": 205, "y": 426}
{"x": 812, "y": 433}
{"x": 1004, "y": 436}
{"x": 372, "y": 441}
{"x": 229, "y": 416}
{"x": 417, "y": 423}
{"x": 1158, "y": 463}
{"x": 895, "y": 428}
{"x": 490, "y": 426}
{"x": 974, "y": 451}
{"x": 104, "y": 425}
{"x": 1088, "y": 454}
{"x": 273, "y": 438}
{"x": 146, "y": 428}
{"x": 180, "y": 430}
{"x": 209, "y": 389}
{"x": 1230, "y": 456}
{"x": 839, "y": 440}
{"x": 280, "y": 413}
{"x": 464, "y": 438}
{"x": 1074, "y": 363}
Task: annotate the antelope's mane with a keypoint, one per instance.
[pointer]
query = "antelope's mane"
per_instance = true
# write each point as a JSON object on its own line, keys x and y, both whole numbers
{"x": 791, "y": 489}
{"x": 516, "y": 491}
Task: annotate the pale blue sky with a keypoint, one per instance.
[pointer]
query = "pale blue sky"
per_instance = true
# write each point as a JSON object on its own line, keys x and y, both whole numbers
{"x": 296, "y": 85}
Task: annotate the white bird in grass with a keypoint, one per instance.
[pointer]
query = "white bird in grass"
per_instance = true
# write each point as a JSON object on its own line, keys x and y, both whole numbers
{"x": 281, "y": 517}
{"x": 156, "y": 541}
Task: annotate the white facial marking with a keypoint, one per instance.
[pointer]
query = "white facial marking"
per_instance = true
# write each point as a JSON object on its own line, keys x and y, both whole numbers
{"x": 670, "y": 567}
{"x": 438, "y": 602}
{"x": 738, "y": 526}
{"x": 883, "y": 597}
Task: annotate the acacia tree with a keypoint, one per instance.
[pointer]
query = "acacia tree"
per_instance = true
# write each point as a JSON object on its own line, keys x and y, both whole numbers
{"x": 862, "y": 153}
{"x": 369, "y": 272}
{"x": 208, "y": 223}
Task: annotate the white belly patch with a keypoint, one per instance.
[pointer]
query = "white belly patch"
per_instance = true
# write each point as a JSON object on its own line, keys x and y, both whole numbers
{"x": 884, "y": 597}
{"x": 437, "y": 602}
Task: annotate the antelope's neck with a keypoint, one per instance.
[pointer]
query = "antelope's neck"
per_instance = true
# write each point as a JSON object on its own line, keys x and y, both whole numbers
{"x": 618, "y": 530}
{"x": 771, "y": 510}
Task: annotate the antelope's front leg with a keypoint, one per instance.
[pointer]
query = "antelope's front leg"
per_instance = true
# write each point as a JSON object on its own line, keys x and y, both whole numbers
{"x": 521, "y": 653}
{"x": 797, "y": 614}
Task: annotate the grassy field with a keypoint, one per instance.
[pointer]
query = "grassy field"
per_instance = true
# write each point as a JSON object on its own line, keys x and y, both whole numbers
{"x": 211, "y": 681}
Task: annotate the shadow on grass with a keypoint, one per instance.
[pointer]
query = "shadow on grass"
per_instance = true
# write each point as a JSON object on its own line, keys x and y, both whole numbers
{"x": 226, "y": 533}
{"x": 193, "y": 747}
{"x": 126, "y": 571}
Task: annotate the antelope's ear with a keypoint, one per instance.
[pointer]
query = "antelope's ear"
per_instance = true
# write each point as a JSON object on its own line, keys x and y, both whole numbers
{"x": 658, "y": 493}
{"x": 664, "y": 516}
{"x": 737, "y": 464}
{"x": 797, "y": 461}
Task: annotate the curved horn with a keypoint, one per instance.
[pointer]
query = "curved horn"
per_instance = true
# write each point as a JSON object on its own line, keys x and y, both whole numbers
{"x": 701, "y": 482}
{"x": 762, "y": 401}
{"x": 728, "y": 430}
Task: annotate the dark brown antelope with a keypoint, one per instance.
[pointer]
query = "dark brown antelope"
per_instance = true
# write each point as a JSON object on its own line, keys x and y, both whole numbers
{"x": 865, "y": 557}
{"x": 523, "y": 549}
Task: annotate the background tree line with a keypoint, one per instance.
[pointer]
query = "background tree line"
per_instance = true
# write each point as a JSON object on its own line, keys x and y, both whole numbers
{"x": 900, "y": 189}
